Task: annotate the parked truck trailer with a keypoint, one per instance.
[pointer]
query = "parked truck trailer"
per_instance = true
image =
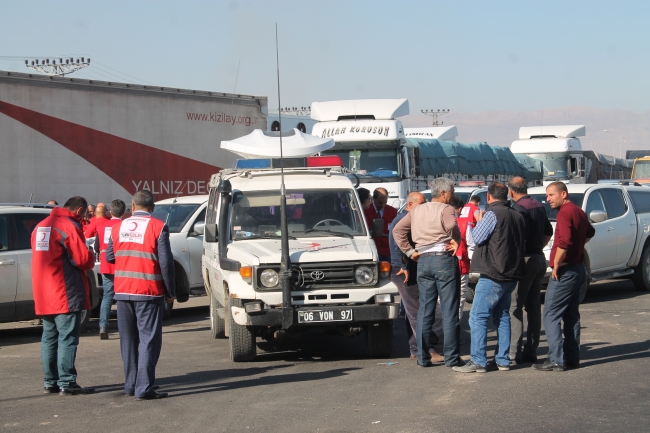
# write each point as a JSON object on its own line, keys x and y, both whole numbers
{"x": 63, "y": 136}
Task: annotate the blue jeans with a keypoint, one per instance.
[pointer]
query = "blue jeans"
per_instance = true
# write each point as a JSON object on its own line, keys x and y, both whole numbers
{"x": 491, "y": 298}
{"x": 561, "y": 304}
{"x": 438, "y": 276}
{"x": 107, "y": 300}
{"x": 59, "y": 348}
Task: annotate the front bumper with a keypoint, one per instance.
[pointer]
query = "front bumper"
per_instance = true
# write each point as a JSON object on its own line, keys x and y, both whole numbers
{"x": 360, "y": 313}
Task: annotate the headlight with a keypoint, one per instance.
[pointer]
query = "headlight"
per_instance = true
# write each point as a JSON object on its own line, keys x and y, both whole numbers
{"x": 364, "y": 275}
{"x": 269, "y": 278}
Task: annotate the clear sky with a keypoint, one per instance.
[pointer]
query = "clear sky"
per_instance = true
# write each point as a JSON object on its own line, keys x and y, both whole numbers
{"x": 464, "y": 55}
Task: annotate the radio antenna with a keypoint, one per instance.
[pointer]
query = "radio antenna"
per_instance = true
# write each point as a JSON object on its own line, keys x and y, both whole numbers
{"x": 285, "y": 261}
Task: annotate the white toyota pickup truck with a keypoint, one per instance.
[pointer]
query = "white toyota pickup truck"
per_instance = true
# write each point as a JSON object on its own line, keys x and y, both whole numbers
{"x": 620, "y": 213}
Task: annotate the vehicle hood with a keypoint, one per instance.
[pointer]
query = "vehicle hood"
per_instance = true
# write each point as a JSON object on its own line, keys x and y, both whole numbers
{"x": 304, "y": 250}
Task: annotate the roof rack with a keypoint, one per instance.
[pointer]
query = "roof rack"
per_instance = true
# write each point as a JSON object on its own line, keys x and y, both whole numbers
{"x": 624, "y": 182}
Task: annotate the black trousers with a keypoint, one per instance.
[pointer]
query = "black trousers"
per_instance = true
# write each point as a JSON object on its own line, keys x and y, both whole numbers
{"x": 140, "y": 326}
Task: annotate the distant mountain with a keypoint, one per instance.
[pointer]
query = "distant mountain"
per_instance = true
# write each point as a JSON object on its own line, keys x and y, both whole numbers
{"x": 626, "y": 129}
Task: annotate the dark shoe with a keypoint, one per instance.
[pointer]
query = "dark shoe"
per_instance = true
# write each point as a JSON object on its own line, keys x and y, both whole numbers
{"x": 458, "y": 363}
{"x": 54, "y": 389}
{"x": 75, "y": 389}
{"x": 154, "y": 395}
{"x": 103, "y": 334}
{"x": 548, "y": 365}
{"x": 131, "y": 394}
{"x": 493, "y": 366}
{"x": 568, "y": 366}
{"x": 529, "y": 358}
{"x": 470, "y": 367}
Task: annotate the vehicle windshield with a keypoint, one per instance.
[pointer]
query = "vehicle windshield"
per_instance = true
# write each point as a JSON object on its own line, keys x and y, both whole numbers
{"x": 313, "y": 213}
{"x": 642, "y": 169}
{"x": 555, "y": 166}
{"x": 552, "y": 213}
{"x": 174, "y": 215}
{"x": 374, "y": 165}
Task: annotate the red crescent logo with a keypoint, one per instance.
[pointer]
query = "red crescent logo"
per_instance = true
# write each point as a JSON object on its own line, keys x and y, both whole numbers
{"x": 135, "y": 226}
{"x": 43, "y": 238}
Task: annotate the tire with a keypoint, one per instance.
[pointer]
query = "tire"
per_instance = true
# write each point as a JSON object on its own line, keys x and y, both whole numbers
{"x": 470, "y": 295}
{"x": 183, "y": 298}
{"x": 167, "y": 310}
{"x": 242, "y": 338}
{"x": 217, "y": 324}
{"x": 641, "y": 276}
{"x": 379, "y": 339}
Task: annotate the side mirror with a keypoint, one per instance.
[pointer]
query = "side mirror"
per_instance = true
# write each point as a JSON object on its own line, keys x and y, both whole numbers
{"x": 597, "y": 216}
{"x": 211, "y": 233}
{"x": 199, "y": 228}
{"x": 377, "y": 230}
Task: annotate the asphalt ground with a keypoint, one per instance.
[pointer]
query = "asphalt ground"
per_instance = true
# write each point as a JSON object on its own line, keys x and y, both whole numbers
{"x": 325, "y": 383}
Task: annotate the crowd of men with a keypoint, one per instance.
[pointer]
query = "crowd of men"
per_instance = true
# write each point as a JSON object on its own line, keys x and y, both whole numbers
{"x": 428, "y": 247}
{"x": 137, "y": 270}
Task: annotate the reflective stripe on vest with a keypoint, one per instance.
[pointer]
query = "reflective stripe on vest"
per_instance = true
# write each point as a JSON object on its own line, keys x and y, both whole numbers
{"x": 140, "y": 254}
{"x": 139, "y": 275}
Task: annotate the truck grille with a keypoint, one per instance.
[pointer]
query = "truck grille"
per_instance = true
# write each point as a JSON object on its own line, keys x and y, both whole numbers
{"x": 325, "y": 275}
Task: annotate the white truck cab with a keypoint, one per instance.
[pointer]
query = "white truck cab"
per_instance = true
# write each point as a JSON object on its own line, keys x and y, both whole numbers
{"x": 336, "y": 279}
{"x": 185, "y": 217}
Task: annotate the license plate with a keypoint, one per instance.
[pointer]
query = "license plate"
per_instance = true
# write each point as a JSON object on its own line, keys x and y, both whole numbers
{"x": 313, "y": 316}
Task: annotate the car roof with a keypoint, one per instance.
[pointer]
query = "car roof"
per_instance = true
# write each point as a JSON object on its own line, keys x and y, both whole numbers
{"x": 20, "y": 208}
{"x": 574, "y": 188}
{"x": 188, "y": 199}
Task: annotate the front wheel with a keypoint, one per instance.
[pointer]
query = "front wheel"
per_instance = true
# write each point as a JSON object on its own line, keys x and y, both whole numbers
{"x": 242, "y": 338}
{"x": 641, "y": 276}
{"x": 379, "y": 339}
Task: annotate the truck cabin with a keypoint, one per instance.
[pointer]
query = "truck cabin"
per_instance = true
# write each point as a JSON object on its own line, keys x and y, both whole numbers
{"x": 641, "y": 170}
{"x": 558, "y": 147}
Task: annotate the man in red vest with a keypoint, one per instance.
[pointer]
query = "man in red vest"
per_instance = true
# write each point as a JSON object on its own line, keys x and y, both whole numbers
{"x": 90, "y": 229}
{"x": 60, "y": 260}
{"x": 144, "y": 281}
{"x": 379, "y": 209}
{"x": 104, "y": 228}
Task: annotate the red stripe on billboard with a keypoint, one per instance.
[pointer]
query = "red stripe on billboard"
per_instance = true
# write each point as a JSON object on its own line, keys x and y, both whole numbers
{"x": 131, "y": 164}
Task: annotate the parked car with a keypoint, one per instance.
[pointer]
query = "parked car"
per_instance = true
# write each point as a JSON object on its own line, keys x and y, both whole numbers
{"x": 621, "y": 216}
{"x": 17, "y": 221}
{"x": 185, "y": 217}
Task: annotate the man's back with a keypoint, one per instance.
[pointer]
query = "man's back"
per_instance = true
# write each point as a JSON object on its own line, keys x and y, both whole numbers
{"x": 537, "y": 223}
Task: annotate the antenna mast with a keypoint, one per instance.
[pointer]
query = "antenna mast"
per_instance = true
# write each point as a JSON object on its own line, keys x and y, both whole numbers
{"x": 64, "y": 67}
{"x": 435, "y": 114}
{"x": 285, "y": 261}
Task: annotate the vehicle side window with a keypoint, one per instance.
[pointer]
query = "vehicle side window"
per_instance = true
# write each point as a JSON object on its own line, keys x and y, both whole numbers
{"x": 211, "y": 215}
{"x": 595, "y": 202}
{"x": 4, "y": 232}
{"x": 615, "y": 203}
{"x": 25, "y": 224}
{"x": 641, "y": 200}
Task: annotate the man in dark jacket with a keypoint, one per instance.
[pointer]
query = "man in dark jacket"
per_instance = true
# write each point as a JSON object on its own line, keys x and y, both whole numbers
{"x": 499, "y": 236}
{"x": 526, "y": 294}
{"x": 60, "y": 260}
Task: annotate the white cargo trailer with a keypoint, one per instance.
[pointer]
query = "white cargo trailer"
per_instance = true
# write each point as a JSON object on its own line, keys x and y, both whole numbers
{"x": 61, "y": 137}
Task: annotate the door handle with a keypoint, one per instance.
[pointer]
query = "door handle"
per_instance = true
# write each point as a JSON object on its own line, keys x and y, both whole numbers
{"x": 610, "y": 229}
{"x": 633, "y": 223}
{"x": 7, "y": 263}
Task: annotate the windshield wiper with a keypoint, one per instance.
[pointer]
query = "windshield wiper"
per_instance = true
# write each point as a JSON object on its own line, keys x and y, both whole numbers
{"x": 330, "y": 232}
{"x": 263, "y": 237}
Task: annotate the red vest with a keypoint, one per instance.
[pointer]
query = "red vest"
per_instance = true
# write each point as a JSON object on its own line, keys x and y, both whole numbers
{"x": 388, "y": 215}
{"x": 461, "y": 252}
{"x": 104, "y": 229}
{"x": 467, "y": 213}
{"x": 135, "y": 245}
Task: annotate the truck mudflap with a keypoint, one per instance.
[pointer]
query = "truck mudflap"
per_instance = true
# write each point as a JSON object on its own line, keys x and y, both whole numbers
{"x": 318, "y": 315}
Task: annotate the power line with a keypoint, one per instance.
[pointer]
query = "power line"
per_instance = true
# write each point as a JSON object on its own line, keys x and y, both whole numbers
{"x": 139, "y": 79}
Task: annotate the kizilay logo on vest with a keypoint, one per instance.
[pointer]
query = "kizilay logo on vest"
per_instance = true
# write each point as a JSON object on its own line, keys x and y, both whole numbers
{"x": 133, "y": 229}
